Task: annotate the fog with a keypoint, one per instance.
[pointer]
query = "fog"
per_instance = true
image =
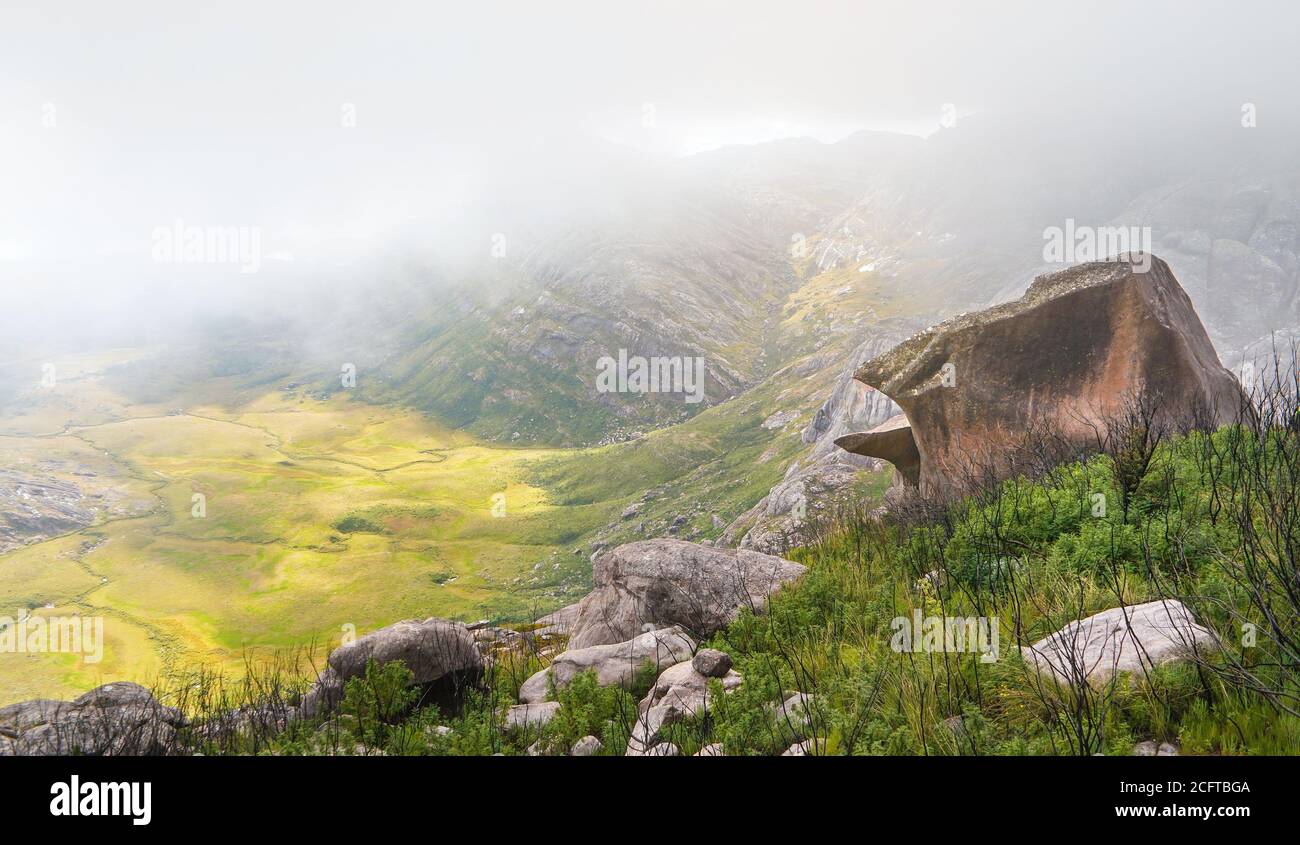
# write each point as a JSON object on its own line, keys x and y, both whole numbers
{"x": 348, "y": 134}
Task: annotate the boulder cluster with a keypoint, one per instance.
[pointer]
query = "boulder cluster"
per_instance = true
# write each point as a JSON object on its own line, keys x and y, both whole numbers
{"x": 652, "y": 603}
{"x": 664, "y": 596}
{"x": 113, "y": 719}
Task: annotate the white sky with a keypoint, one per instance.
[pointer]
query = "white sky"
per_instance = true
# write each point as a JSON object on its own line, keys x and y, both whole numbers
{"x": 230, "y": 113}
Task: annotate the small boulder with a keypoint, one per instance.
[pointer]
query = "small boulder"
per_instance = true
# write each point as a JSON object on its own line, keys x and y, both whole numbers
{"x": 799, "y": 749}
{"x": 588, "y": 746}
{"x": 711, "y": 663}
{"x": 1122, "y": 639}
{"x": 686, "y": 688}
{"x": 1151, "y": 749}
{"x": 794, "y": 715}
{"x": 531, "y": 716}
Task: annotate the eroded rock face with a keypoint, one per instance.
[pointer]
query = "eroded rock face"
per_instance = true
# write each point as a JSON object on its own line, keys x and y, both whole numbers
{"x": 114, "y": 719}
{"x": 1070, "y": 353}
{"x": 615, "y": 664}
{"x": 672, "y": 582}
{"x": 433, "y": 650}
{"x": 890, "y": 441}
{"x": 1122, "y": 639}
{"x": 825, "y": 476}
{"x": 35, "y": 508}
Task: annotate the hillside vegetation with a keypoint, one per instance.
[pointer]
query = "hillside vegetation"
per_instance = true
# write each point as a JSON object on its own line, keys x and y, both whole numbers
{"x": 1204, "y": 518}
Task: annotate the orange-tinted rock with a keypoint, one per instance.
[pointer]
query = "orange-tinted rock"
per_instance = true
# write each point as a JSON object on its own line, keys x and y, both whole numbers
{"x": 890, "y": 441}
{"x": 1071, "y": 353}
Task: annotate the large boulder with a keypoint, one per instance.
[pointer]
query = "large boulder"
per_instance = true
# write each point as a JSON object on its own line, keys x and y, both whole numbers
{"x": 1072, "y": 353}
{"x": 114, "y": 719}
{"x": 672, "y": 582}
{"x": 615, "y": 664}
{"x": 1122, "y": 639}
{"x": 435, "y": 650}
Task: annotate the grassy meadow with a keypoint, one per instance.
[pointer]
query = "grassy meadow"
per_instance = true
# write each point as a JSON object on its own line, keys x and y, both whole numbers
{"x": 272, "y": 526}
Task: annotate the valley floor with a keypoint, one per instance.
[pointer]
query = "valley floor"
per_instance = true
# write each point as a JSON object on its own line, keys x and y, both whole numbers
{"x": 220, "y": 535}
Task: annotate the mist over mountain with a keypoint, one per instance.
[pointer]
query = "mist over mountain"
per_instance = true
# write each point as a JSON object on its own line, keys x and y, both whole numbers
{"x": 570, "y": 379}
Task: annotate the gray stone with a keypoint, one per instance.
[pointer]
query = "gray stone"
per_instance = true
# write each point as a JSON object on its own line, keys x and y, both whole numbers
{"x": 432, "y": 649}
{"x": 664, "y": 749}
{"x": 531, "y": 716}
{"x": 673, "y": 582}
{"x": 616, "y": 664}
{"x": 711, "y": 663}
{"x": 588, "y": 746}
{"x": 799, "y": 749}
{"x": 1144, "y": 749}
{"x": 1122, "y": 639}
{"x": 680, "y": 692}
{"x": 794, "y": 715}
{"x": 114, "y": 719}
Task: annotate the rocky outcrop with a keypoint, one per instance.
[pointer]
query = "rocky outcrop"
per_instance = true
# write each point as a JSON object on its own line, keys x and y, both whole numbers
{"x": 680, "y": 692}
{"x": 852, "y": 405}
{"x": 672, "y": 582}
{"x": 1232, "y": 240}
{"x": 615, "y": 664}
{"x": 35, "y": 508}
{"x": 114, "y": 719}
{"x": 436, "y": 651}
{"x": 890, "y": 441}
{"x": 559, "y": 622}
{"x": 779, "y": 520}
{"x": 1071, "y": 354}
{"x": 1122, "y": 639}
{"x": 826, "y": 474}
